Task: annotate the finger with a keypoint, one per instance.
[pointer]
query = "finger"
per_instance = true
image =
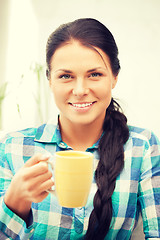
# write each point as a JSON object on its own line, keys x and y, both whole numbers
{"x": 37, "y": 158}
{"x": 46, "y": 185}
{"x": 38, "y": 169}
{"x": 38, "y": 189}
{"x": 34, "y": 183}
{"x": 40, "y": 197}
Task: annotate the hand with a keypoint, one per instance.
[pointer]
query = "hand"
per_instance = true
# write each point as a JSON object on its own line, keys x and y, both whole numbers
{"x": 29, "y": 185}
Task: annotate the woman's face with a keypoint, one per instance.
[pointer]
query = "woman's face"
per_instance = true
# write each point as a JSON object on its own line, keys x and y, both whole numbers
{"x": 81, "y": 82}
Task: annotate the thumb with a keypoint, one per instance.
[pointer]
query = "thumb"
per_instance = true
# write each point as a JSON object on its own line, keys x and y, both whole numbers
{"x": 37, "y": 158}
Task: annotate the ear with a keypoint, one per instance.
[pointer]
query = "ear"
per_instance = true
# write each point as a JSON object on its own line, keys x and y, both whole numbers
{"x": 114, "y": 81}
{"x": 48, "y": 77}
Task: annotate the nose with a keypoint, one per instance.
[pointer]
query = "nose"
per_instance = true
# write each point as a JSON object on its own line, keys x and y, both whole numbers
{"x": 80, "y": 88}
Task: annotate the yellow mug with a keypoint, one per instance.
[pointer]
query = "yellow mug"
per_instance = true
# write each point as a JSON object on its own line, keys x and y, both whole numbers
{"x": 73, "y": 174}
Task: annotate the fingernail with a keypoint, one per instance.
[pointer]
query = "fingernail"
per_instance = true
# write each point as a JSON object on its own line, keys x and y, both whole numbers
{"x": 52, "y": 179}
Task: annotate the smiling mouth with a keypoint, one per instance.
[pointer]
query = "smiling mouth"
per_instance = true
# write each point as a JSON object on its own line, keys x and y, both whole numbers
{"x": 81, "y": 105}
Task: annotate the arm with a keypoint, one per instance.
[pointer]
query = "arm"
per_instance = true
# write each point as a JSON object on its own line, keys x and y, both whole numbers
{"x": 19, "y": 191}
{"x": 149, "y": 189}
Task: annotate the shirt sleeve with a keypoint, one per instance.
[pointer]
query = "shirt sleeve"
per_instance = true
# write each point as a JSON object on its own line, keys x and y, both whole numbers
{"x": 149, "y": 188}
{"x": 11, "y": 225}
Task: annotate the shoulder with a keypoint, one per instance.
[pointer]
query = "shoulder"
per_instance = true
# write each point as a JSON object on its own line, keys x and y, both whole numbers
{"x": 142, "y": 136}
{"x": 143, "y": 147}
{"x": 139, "y": 132}
{"x": 28, "y": 132}
{"x": 18, "y": 136}
{"x": 14, "y": 142}
{"x": 42, "y": 133}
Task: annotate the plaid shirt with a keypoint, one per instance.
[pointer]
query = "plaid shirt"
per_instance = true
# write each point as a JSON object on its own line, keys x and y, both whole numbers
{"x": 137, "y": 189}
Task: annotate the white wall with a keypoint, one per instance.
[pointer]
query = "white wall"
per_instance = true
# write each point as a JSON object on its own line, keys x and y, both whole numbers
{"x": 4, "y": 11}
{"x": 21, "y": 52}
{"x": 136, "y": 27}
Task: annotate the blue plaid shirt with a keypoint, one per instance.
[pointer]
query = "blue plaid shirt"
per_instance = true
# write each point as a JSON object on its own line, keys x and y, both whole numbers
{"x": 137, "y": 189}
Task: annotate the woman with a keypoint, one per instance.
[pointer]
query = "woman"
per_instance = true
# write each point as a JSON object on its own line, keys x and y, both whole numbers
{"x": 82, "y": 69}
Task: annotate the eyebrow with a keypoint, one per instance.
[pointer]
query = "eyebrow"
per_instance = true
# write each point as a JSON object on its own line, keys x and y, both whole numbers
{"x": 64, "y": 70}
{"x": 95, "y": 69}
{"x": 90, "y": 70}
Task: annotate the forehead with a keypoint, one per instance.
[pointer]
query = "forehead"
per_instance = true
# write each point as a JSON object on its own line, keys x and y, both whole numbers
{"x": 74, "y": 51}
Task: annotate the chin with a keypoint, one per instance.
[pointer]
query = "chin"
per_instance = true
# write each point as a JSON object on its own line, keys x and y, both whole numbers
{"x": 84, "y": 121}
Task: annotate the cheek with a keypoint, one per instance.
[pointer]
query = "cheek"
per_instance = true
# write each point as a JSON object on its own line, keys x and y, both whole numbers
{"x": 55, "y": 91}
{"x": 59, "y": 94}
{"x": 104, "y": 93}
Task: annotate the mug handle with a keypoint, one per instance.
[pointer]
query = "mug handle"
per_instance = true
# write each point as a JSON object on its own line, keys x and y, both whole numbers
{"x": 50, "y": 163}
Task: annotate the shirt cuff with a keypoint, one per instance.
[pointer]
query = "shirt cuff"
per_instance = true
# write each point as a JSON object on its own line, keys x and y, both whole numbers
{"x": 13, "y": 226}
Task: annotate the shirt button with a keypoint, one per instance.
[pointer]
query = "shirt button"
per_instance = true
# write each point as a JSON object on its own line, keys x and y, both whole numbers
{"x": 62, "y": 145}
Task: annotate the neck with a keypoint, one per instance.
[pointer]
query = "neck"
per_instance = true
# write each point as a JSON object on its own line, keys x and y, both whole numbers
{"x": 79, "y": 136}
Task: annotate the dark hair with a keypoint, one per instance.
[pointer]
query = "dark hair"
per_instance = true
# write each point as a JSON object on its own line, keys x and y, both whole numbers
{"x": 89, "y": 32}
{"x": 92, "y": 33}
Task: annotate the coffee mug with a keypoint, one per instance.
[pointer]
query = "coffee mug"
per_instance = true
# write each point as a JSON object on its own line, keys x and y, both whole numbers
{"x": 73, "y": 174}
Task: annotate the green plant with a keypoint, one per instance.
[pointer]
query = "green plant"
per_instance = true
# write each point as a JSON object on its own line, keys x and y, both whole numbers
{"x": 42, "y": 93}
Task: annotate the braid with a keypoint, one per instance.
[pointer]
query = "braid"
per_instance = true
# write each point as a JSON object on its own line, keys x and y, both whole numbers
{"x": 111, "y": 163}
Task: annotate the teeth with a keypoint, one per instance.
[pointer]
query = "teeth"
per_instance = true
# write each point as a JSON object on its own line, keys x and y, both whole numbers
{"x": 82, "y": 105}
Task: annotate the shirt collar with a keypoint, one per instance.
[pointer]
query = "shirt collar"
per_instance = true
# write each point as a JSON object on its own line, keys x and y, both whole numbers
{"x": 50, "y": 133}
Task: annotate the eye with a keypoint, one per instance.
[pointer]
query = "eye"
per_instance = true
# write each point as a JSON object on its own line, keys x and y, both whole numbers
{"x": 65, "y": 76}
{"x": 95, "y": 74}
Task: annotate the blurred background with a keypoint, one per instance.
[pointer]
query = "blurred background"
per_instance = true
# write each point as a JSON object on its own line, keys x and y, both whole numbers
{"x": 25, "y": 98}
